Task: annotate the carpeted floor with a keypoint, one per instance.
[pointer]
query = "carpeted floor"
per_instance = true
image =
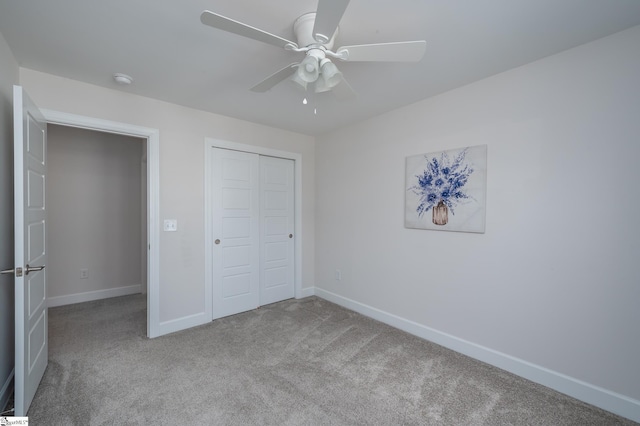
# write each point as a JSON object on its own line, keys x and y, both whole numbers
{"x": 297, "y": 362}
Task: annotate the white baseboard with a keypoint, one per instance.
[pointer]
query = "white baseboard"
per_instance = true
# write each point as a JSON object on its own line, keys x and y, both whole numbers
{"x": 307, "y": 292}
{"x": 93, "y": 295}
{"x": 201, "y": 318}
{"x": 184, "y": 323}
{"x": 5, "y": 392}
{"x": 594, "y": 395}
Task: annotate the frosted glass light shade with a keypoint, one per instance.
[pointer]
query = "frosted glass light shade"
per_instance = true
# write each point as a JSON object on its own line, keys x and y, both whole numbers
{"x": 330, "y": 74}
{"x": 321, "y": 86}
{"x": 299, "y": 81}
{"x": 308, "y": 70}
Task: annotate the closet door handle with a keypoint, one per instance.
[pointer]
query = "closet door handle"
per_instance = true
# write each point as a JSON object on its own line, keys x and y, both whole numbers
{"x": 216, "y": 241}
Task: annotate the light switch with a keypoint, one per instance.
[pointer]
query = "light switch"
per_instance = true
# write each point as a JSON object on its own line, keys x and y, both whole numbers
{"x": 170, "y": 225}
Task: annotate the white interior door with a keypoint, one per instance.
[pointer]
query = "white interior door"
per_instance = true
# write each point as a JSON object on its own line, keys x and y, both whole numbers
{"x": 235, "y": 206}
{"x": 276, "y": 229}
{"x": 31, "y": 322}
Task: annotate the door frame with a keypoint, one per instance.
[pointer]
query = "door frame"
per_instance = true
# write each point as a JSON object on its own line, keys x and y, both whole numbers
{"x": 152, "y": 138}
{"x": 208, "y": 211}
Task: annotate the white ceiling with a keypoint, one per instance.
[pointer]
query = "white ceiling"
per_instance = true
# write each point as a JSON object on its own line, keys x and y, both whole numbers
{"x": 175, "y": 58}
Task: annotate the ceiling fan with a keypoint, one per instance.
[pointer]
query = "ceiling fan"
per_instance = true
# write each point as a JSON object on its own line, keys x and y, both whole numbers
{"x": 315, "y": 33}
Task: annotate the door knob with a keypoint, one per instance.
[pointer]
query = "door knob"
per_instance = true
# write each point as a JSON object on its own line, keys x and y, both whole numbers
{"x": 28, "y": 269}
{"x": 290, "y": 235}
{"x": 217, "y": 241}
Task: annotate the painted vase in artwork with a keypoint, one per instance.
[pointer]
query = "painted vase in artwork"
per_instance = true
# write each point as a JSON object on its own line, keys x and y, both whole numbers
{"x": 440, "y": 214}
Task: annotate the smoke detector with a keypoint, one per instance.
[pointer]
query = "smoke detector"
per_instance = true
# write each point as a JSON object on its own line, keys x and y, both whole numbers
{"x": 122, "y": 79}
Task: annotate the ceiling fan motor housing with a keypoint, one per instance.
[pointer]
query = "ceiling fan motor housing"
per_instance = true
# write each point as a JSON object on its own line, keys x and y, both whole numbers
{"x": 303, "y": 29}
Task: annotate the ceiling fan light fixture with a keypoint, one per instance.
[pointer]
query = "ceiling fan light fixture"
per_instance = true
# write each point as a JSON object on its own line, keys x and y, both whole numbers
{"x": 331, "y": 75}
{"x": 309, "y": 69}
{"x": 321, "y": 86}
{"x": 299, "y": 82}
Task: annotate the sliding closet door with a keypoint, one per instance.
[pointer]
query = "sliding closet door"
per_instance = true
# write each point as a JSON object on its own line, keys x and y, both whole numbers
{"x": 235, "y": 205}
{"x": 276, "y": 230}
{"x": 252, "y": 200}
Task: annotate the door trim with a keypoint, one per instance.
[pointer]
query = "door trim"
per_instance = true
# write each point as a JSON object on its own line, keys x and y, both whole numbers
{"x": 208, "y": 211}
{"x": 152, "y": 136}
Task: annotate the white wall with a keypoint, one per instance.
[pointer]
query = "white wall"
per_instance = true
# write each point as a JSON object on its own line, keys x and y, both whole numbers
{"x": 182, "y": 133}
{"x": 94, "y": 190}
{"x": 554, "y": 281}
{"x": 8, "y": 77}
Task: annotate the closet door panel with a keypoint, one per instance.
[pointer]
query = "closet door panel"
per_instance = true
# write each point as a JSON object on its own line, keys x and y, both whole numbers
{"x": 236, "y": 236}
{"x": 276, "y": 229}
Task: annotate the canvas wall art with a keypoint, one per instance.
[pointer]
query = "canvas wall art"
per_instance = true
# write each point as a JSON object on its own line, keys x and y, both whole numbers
{"x": 446, "y": 190}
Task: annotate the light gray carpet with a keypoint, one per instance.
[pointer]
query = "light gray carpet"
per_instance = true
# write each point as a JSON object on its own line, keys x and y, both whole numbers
{"x": 298, "y": 362}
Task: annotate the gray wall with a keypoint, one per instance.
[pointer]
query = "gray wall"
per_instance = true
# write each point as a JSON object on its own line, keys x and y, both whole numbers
{"x": 554, "y": 281}
{"x": 8, "y": 77}
{"x": 94, "y": 192}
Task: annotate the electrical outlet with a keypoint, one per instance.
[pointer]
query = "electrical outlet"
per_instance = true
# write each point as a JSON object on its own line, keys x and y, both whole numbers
{"x": 84, "y": 273}
{"x": 170, "y": 225}
{"x": 338, "y": 275}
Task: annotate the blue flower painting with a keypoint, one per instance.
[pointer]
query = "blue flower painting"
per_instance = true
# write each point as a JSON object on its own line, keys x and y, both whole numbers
{"x": 443, "y": 180}
{"x": 446, "y": 190}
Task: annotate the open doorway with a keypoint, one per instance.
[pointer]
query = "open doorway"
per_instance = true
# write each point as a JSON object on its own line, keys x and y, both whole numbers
{"x": 151, "y": 147}
{"x": 97, "y": 234}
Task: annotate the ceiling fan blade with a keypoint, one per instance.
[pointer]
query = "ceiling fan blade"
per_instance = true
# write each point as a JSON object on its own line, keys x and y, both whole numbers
{"x": 403, "y": 51}
{"x": 328, "y": 17}
{"x": 275, "y": 78}
{"x": 343, "y": 91}
{"x": 227, "y": 24}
